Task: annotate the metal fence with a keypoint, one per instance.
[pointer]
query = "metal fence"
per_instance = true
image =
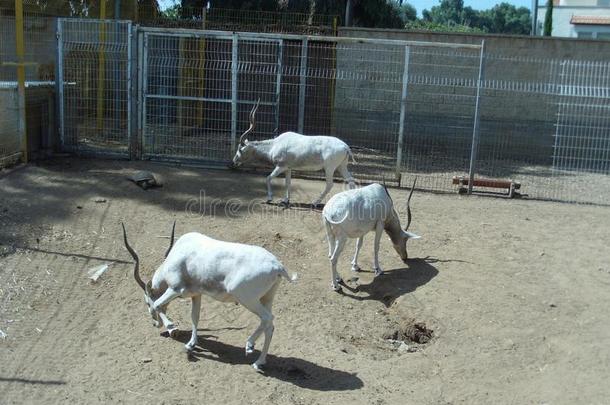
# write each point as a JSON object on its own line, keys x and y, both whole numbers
{"x": 35, "y": 52}
{"x": 94, "y": 80}
{"x": 407, "y": 109}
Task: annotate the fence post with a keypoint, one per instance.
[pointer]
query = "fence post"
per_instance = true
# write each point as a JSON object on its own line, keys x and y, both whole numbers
{"x": 278, "y": 82}
{"x": 59, "y": 83}
{"x": 474, "y": 150}
{"x": 132, "y": 91}
{"x": 403, "y": 113}
{"x": 303, "y": 82}
{"x": 142, "y": 88}
{"x": 234, "y": 92}
{"x": 101, "y": 70}
{"x": 19, "y": 40}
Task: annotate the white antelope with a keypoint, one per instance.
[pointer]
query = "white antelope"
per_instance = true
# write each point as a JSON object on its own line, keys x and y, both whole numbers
{"x": 353, "y": 214}
{"x": 228, "y": 272}
{"x": 291, "y": 151}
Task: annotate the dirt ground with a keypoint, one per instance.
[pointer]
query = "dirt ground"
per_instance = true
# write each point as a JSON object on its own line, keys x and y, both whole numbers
{"x": 515, "y": 291}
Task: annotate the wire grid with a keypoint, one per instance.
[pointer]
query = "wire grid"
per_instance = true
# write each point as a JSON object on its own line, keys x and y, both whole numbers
{"x": 10, "y": 145}
{"x": 545, "y": 125}
{"x": 439, "y": 116}
{"x": 239, "y": 20}
{"x": 39, "y": 46}
{"x": 270, "y": 21}
{"x": 188, "y": 97}
{"x": 95, "y": 85}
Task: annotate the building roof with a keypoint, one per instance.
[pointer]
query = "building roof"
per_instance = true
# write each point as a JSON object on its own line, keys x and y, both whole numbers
{"x": 590, "y": 20}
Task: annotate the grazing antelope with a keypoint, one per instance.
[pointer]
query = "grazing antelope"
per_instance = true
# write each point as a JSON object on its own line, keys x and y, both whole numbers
{"x": 291, "y": 151}
{"x": 353, "y": 214}
{"x": 228, "y": 272}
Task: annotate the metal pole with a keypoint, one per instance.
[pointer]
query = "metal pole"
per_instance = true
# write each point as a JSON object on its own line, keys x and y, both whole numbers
{"x": 403, "y": 112}
{"x": 534, "y": 17}
{"x": 234, "y": 92}
{"x": 59, "y": 83}
{"x": 143, "y": 49}
{"x": 278, "y": 82}
{"x": 302, "y": 84}
{"x": 201, "y": 70}
{"x": 21, "y": 77}
{"x": 101, "y": 69}
{"x": 477, "y": 117}
{"x": 131, "y": 89}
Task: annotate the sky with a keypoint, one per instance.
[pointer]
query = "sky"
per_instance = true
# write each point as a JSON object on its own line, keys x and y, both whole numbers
{"x": 421, "y": 5}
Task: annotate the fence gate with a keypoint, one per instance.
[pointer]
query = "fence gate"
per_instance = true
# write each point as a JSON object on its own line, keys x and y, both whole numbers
{"x": 93, "y": 83}
{"x": 198, "y": 88}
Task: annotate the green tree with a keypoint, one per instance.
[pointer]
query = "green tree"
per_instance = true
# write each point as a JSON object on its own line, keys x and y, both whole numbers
{"x": 548, "y": 19}
{"x": 448, "y": 12}
{"x": 407, "y": 11}
{"x": 505, "y": 18}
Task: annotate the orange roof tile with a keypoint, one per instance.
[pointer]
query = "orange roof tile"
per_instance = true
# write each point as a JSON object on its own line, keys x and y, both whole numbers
{"x": 590, "y": 20}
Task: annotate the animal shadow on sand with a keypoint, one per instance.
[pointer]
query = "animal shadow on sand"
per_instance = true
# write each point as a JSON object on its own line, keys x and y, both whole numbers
{"x": 302, "y": 373}
{"x": 393, "y": 283}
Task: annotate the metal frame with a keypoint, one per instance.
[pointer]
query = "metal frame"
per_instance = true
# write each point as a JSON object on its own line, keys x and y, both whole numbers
{"x": 477, "y": 121}
{"x": 403, "y": 107}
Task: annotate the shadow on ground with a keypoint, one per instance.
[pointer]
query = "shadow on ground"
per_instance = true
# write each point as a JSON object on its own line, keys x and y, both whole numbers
{"x": 299, "y": 372}
{"x": 393, "y": 283}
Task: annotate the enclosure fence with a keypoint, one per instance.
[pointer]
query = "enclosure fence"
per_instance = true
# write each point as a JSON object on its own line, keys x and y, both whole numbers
{"x": 406, "y": 108}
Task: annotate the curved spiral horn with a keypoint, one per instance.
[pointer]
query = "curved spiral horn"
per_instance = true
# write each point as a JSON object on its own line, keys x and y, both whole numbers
{"x": 171, "y": 242}
{"x": 242, "y": 138}
{"x": 408, "y": 207}
{"x": 136, "y": 270}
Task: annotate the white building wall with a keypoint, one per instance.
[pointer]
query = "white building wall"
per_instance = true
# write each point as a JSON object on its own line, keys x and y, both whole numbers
{"x": 563, "y": 14}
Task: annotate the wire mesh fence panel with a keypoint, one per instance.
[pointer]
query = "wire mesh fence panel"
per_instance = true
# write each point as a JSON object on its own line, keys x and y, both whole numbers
{"x": 199, "y": 90}
{"x": 10, "y": 143}
{"x": 38, "y": 58}
{"x": 95, "y": 83}
{"x": 439, "y": 115}
{"x": 581, "y": 143}
{"x": 187, "y": 104}
{"x": 545, "y": 125}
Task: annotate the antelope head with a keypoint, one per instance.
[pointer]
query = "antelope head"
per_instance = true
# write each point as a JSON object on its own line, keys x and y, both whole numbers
{"x": 400, "y": 243}
{"x": 150, "y": 294}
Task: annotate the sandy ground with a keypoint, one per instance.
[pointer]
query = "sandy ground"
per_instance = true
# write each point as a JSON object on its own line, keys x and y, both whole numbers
{"x": 516, "y": 292}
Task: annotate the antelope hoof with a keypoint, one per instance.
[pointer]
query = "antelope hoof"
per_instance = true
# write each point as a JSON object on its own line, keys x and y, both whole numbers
{"x": 336, "y": 288}
{"x": 249, "y": 348}
{"x": 378, "y": 272}
{"x": 172, "y": 331}
{"x": 355, "y": 267}
{"x": 258, "y": 366}
{"x": 190, "y": 346}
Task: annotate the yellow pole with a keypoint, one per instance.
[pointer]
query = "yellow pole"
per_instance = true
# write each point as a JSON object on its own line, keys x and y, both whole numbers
{"x": 181, "y": 92}
{"x": 101, "y": 69}
{"x": 135, "y": 13}
{"x": 333, "y": 82}
{"x": 201, "y": 70}
{"x": 21, "y": 76}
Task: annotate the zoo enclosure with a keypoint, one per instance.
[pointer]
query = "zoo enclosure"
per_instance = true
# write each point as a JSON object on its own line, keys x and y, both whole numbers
{"x": 169, "y": 94}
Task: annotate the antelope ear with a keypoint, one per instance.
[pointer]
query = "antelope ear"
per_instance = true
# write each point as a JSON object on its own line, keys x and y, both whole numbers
{"x": 410, "y": 235}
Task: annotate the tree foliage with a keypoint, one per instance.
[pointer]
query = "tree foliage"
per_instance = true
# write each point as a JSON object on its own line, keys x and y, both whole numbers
{"x": 548, "y": 19}
{"x": 504, "y": 18}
